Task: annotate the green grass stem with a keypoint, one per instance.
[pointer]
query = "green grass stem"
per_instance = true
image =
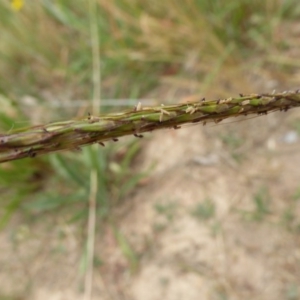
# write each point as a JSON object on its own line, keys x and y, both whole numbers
{"x": 72, "y": 134}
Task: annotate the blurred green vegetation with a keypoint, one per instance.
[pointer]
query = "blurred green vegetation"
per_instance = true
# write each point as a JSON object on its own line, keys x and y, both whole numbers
{"x": 46, "y": 53}
{"x": 204, "y": 211}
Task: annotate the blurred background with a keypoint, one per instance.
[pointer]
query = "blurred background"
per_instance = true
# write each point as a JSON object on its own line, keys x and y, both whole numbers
{"x": 198, "y": 213}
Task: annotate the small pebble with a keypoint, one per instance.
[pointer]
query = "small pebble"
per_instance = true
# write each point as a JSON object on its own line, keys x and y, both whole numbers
{"x": 290, "y": 137}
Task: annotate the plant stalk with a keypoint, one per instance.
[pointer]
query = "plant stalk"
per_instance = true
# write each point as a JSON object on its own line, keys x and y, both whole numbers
{"x": 73, "y": 134}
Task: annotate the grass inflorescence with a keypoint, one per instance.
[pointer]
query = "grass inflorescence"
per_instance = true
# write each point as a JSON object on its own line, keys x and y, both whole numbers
{"x": 71, "y": 135}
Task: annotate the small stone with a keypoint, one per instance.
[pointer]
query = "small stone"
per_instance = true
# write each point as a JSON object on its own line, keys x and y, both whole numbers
{"x": 290, "y": 137}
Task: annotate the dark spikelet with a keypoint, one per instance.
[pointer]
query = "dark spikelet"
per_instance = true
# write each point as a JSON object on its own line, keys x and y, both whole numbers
{"x": 31, "y": 153}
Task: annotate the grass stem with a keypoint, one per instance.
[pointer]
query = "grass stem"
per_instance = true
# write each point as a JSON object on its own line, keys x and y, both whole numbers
{"x": 72, "y": 134}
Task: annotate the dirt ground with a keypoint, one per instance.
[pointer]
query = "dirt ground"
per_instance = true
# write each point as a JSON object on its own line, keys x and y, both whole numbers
{"x": 217, "y": 218}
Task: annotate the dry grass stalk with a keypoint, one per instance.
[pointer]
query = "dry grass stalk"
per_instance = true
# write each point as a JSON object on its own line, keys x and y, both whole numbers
{"x": 73, "y": 134}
